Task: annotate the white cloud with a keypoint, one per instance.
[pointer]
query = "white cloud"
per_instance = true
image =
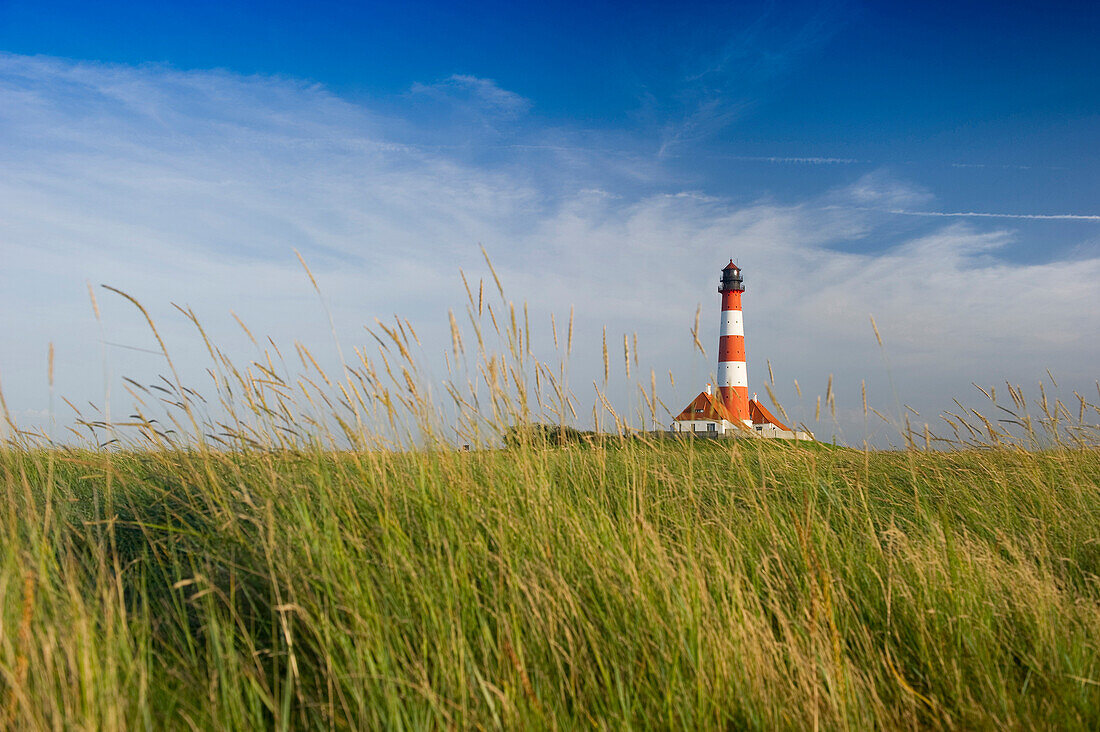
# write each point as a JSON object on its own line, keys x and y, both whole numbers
{"x": 194, "y": 187}
{"x": 484, "y": 94}
{"x": 880, "y": 189}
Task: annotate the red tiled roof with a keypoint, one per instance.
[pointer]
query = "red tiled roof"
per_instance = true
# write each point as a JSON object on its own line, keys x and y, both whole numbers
{"x": 704, "y": 407}
{"x": 760, "y": 415}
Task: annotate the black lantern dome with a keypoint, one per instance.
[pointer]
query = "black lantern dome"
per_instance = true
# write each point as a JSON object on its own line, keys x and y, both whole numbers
{"x": 731, "y": 279}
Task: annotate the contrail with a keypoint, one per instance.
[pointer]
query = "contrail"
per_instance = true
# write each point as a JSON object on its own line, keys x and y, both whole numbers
{"x": 968, "y": 214}
{"x": 986, "y": 215}
{"x": 795, "y": 160}
{"x": 821, "y": 160}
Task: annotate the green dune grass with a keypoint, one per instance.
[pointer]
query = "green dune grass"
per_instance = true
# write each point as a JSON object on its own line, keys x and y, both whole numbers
{"x": 737, "y": 584}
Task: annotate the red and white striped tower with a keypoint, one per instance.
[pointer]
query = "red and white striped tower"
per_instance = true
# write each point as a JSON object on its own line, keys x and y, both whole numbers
{"x": 733, "y": 383}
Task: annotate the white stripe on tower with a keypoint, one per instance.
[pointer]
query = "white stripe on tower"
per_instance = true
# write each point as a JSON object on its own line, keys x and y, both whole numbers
{"x": 733, "y": 373}
{"x": 732, "y": 323}
{"x": 733, "y": 383}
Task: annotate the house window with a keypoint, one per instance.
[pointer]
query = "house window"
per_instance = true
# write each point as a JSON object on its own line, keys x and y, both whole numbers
{"x": 711, "y": 427}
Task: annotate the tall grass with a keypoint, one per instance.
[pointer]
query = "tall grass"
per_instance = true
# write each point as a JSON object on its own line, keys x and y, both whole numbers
{"x": 301, "y": 554}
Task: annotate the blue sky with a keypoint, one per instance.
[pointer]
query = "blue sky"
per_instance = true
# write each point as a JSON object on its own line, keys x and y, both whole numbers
{"x": 1000, "y": 88}
{"x": 933, "y": 165}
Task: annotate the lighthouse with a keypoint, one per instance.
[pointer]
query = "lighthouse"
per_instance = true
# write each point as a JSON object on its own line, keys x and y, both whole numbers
{"x": 733, "y": 379}
{"x": 730, "y": 412}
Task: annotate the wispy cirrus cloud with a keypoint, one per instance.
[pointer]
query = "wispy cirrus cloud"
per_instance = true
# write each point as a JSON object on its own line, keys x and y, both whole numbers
{"x": 719, "y": 87}
{"x": 485, "y": 93}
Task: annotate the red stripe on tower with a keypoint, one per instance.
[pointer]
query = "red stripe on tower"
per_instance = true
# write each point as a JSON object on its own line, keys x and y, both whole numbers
{"x": 733, "y": 383}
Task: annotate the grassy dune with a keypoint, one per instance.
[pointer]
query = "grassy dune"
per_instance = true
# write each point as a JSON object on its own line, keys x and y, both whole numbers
{"x": 280, "y": 557}
{"x": 745, "y": 584}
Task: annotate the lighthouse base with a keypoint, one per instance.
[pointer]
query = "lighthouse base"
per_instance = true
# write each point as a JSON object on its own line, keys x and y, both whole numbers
{"x": 705, "y": 416}
{"x": 730, "y": 431}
